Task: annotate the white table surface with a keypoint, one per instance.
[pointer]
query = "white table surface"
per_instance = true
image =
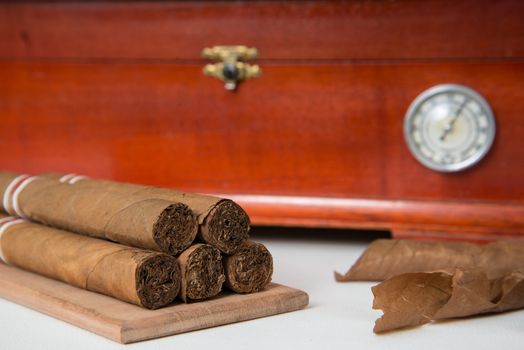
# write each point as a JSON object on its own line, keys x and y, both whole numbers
{"x": 339, "y": 315}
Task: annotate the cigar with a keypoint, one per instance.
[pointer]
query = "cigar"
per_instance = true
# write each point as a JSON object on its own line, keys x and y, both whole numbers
{"x": 223, "y": 223}
{"x": 202, "y": 272}
{"x": 145, "y": 278}
{"x": 387, "y": 258}
{"x": 149, "y": 223}
{"x": 250, "y": 269}
{"x": 413, "y": 299}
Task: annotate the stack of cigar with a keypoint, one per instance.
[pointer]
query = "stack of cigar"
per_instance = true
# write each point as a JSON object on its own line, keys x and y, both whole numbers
{"x": 141, "y": 244}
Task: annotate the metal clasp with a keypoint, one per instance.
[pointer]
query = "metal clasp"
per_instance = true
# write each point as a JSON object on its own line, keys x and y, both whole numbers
{"x": 231, "y": 67}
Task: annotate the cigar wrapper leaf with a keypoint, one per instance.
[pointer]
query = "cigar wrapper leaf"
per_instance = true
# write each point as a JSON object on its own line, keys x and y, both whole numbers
{"x": 222, "y": 222}
{"x": 145, "y": 278}
{"x": 147, "y": 223}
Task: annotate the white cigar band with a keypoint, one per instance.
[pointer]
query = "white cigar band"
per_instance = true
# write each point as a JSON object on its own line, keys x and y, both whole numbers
{"x": 14, "y": 200}
{"x": 12, "y": 192}
{"x": 66, "y": 178}
{"x": 72, "y": 178}
{"x": 77, "y": 178}
{"x": 6, "y": 198}
{"x": 5, "y": 223}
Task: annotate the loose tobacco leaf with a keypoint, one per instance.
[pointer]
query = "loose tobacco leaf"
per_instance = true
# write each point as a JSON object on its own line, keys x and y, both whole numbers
{"x": 413, "y": 299}
{"x": 386, "y": 258}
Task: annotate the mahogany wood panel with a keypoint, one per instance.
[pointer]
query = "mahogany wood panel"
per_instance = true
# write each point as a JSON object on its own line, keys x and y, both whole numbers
{"x": 325, "y": 30}
{"x": 300, "y": 130}
{"x": 115, "y": 89}
{"x": 474, "y": 221}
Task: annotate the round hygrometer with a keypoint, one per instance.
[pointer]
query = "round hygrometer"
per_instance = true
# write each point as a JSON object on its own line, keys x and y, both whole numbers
{"x": 449, "y": 128}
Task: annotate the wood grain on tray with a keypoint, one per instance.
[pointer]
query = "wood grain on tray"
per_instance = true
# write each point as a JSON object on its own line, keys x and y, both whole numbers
{"x": 127, "y": 323}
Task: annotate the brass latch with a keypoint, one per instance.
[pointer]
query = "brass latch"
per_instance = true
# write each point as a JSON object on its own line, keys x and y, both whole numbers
{"x": 231, "y": 67}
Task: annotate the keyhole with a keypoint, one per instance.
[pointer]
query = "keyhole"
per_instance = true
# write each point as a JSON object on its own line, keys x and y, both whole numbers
{"x": 230, "y": 71}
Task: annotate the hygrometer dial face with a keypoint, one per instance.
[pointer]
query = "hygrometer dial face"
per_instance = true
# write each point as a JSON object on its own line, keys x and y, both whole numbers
{"x": 449, "y": 128}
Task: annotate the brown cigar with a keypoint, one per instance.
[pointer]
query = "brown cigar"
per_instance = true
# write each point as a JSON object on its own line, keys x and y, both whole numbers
{"x": 202, "y": 272}
{"x": 152, "y": 223}
{"x": 387, "y": 258}
{"x": 223, "y": 223}
{"x": 413, "y": 299}
{"x": 249, "y": 270}
{"x": 145, "y": 278}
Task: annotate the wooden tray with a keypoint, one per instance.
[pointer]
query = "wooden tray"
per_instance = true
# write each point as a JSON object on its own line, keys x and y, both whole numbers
{"x": 127, "y": 323}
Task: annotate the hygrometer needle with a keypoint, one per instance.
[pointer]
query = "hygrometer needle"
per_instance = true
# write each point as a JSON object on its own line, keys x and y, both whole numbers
{"x": 449, "y": 126}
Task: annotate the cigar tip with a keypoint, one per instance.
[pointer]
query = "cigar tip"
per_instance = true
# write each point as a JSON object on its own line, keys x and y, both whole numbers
{"x": 226, "y": 227}
{"x": 250, "y": 269}
{"x": 202, "y": 272}
{"x": 175, "y": 229}
{"x": 158, "y": 280}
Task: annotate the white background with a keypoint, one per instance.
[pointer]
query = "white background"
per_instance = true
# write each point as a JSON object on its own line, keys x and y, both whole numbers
{"x": 339, "y": 315}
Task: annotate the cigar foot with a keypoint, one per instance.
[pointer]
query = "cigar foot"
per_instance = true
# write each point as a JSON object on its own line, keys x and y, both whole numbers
{"x": 203, "y": 273}
{"x": 250, "y": 269}
{"x": 175, "y": 229}
{"x": 158, "y": 280}
{"x": 226, "y": 227}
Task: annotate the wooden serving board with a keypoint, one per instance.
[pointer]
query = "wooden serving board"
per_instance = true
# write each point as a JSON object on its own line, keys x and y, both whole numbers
{"x": 127, "y": 323}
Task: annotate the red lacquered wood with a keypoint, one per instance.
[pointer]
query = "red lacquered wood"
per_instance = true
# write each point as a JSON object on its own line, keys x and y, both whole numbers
{"x": 115, "y": 90}
{"x": 436, "y": 220}
{"x": 405, "y": 218}
{"x": 280, "y": 30}
{"x": 307, "y": 130}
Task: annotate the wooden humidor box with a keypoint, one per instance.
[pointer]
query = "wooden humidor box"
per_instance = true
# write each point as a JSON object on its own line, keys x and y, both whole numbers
{"x": 116, "y": 90}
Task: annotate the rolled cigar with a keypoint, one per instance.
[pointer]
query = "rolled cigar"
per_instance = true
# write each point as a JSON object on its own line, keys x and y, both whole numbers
{"x": 223, "y": 223}
{"x": 250, "y": 269}
{"x": 386, "y": 258}
{"x": 145, "y": 278}
{"x": 152, "y": 223}
{"x": 413, "y": 299}
{"x": 202, "y": 272}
